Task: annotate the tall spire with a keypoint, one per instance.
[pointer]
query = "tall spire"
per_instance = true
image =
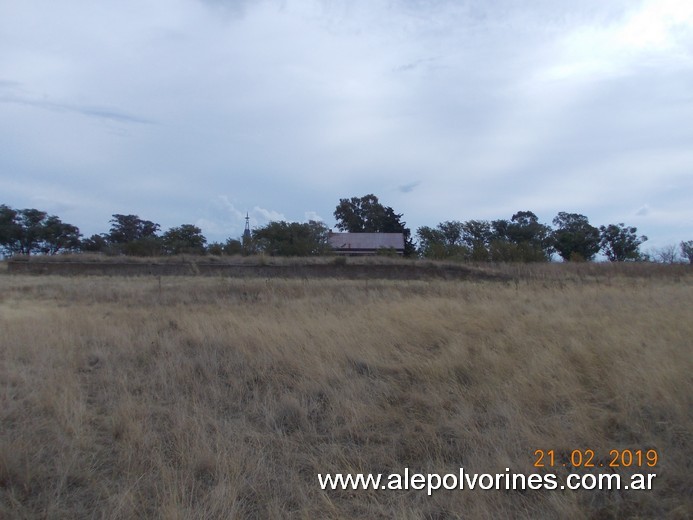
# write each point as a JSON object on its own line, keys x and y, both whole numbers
{"x": 246, "y": 231}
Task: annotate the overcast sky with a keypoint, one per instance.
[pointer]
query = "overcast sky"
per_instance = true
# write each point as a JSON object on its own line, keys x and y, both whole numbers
{"x": 196, "y": 111}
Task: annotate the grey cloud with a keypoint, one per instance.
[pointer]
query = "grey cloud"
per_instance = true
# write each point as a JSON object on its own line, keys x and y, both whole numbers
{"x": 414, "y": 64}
{"x": 498, "y": 106}
{"x": 645, "y": 210}
{"x": 236, "y": 8}
{"x": 97, "y": 112}
{"x": 9, "y": 84}
{"x": 106, "y": 113}
{"x": 409, "y": 187}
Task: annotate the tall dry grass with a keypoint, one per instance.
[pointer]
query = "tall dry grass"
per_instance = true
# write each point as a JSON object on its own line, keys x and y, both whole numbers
{"x": 221, "y": 398}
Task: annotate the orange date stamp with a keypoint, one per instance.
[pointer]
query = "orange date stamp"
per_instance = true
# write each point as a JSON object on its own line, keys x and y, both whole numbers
{"x": 587, "y": 458}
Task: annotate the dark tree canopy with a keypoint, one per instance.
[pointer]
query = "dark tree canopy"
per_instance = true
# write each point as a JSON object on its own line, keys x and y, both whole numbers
{"x": 128, "y": 228}
{"x": 435, "y": 245}
{"x": 445, "y": 241}
{"x": 477, "y": 236}
{"x": 292, "y": 238}
{"x": 133, "y": 236}
{"x": 687, "y": 250}
{"x": 59, "y": 236}
{"x": 525, "y": 227}
{"x": 184, "y": 239}
{"x": 521, "y": 239}
{"x": 367, "y": 215}
{"x": 574, "y": 237}
{"x": 28, "y": 231}
{"x": 95, "y": 244}
{"x": 232, "y": 246}
{"x": 621, "y": 243}
{"x": 10, "y": 231}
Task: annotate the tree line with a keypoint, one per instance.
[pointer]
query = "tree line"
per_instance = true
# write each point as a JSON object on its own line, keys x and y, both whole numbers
{"x": 522, "y": 238}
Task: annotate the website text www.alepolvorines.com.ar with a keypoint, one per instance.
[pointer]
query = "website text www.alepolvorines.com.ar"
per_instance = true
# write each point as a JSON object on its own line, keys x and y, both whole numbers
{"x": 463, "y": 480}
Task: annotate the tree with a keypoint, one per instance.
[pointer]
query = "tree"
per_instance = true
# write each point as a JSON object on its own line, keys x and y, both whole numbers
{"x": 477, "y": 235}
{"x": 521, "y": 239}
{"x": 184, "y": 239}
{"x": 128, "y": 228}
{"x": 134, "y": 236}
{"x": 525, "y": 227}
{"x": 445, "y": 241}
{"x": 453, "y": 239}
{"x": 687, "y": 250}
{"x": 292, "y": 238}
{"x": 10, "y": 230}
{"x": 620, "y": 243}
{"x": 28, "y": 231}
{"x": 575, "y": 238}
{"x": 666, "y": 254}
{"x": 96, "y": 244}
{"x": 433, "y": 243}
{"x": 215, "y": 248}
{"x": 58, "y": 236}
{"x": 30, "y": 222}
{"x": 368, "y": 215}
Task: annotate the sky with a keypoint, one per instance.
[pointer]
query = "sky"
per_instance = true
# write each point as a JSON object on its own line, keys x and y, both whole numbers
{"x": 200, "y": 111}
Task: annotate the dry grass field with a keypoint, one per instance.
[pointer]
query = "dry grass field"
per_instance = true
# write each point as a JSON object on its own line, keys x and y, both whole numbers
{"x": 206, "y": 397}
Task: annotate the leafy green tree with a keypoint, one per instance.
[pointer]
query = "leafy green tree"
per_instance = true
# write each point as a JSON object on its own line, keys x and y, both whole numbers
{"x": 292, "y": 238}
{"x": 28, "y": 231}
{"x": 10, "y": 231}
{"x": 129, "y": 228}
{"x": 575, "y": 238}
{"x": 521, "y": 239}
{"x": 58, "y": 236}
{"x": 432, "y": 243}
{"x": 96, "y": 244}
{"x": 442, "y": 242}
{"x": 621, "y": 243}
{"x": 215, "y": 248}
{"x": 232, "y": 246}
{"x": 477, "y": 235}
{"x": 133, "y": 236}
{"x": 367, "y": 215}
{"x": 525, "y": 227}
{"x": 236, "y": 247}
{"x": 30, "y": 222}
{"x": 184, "y": 239}
{"x": 687, "y": 250}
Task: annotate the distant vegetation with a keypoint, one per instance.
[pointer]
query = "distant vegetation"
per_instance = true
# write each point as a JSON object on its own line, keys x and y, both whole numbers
{"x": 522, "y": 238}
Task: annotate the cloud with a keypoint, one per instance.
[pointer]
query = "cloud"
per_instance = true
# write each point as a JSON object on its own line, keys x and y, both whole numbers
{"x": 231, "y": 208}
{"x": 414, "y": 64}
{"x": 643, "y": 211}
{"x": 408, "y": 188}
{"x": 290, "y": 106}
{"x": 107, "y": 113}
{"x": 9, "y": 84}
{"x": 257, "y": 214}
{"x": 237, "y": 7}
{"x": 312, "y": 215}
{"x": 264, "y": 216}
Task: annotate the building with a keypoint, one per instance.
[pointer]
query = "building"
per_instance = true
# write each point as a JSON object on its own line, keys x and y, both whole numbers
{"x": 246, "y": 238}
{"x": 363, "y": 244}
